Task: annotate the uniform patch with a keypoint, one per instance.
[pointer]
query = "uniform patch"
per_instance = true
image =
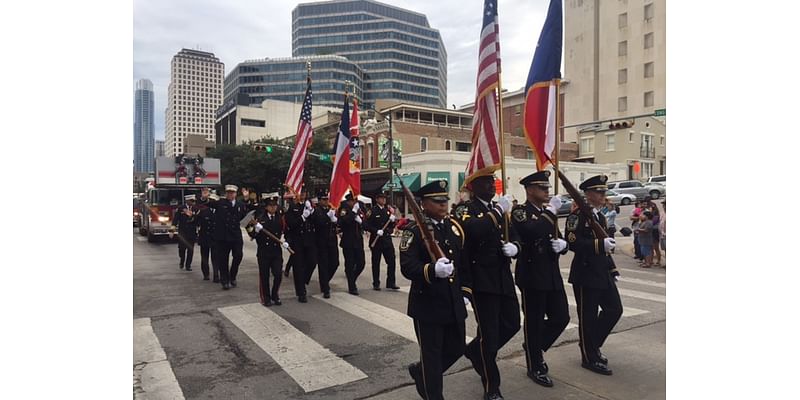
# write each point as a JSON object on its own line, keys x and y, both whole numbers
{"x": 343, "y": 213}
{"x": 520, "y": 215}
{"x": 571, "y": 237}
{"x": 461, "y": 211}
{"x": 408, "y": 236}
{"x": 572, "y": 222}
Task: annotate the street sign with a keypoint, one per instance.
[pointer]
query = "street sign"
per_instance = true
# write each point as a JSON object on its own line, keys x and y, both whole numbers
{"x": 325, "y": 157}
{"x": 662, "y": 112}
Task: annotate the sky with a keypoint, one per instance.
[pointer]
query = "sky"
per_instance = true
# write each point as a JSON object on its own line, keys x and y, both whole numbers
{"x": 239, "y": 30}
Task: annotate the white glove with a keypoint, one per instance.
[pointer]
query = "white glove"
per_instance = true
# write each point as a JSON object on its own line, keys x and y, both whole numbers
{"x": 358, "y": 219}
{"x": 609, "y": 244}
{"x": 558, "y": 245}
{"x": 332, "y": 216}
{"x": 308, "y": 204}
{"x": 259, "y": 227}
{"x": 392, "y": 218}
{"x": 505, "y": 203}
{"x": 285, "y": 245}
{"x": 466, "y": 301}
{"x": 510, "y": 250}
{"x": 555, "y": 204}
{"x": 380, "y": 232}
{"x": 443, "y": 268}
{"x": 306, "y": 213}
{"x": 356, "y": 207}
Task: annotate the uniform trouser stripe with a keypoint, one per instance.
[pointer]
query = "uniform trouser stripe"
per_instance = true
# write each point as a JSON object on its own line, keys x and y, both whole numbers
{"x": 525, "y": 331}
{"x": 421, "y": 358}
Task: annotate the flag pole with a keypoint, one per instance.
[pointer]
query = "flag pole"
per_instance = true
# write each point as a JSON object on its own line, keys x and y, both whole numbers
{"x": 559, "y": 122}
{"x": 502, "y": 142}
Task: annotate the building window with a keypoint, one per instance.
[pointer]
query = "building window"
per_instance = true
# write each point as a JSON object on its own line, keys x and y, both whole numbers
{"x": 518, "y": 131}
{"x": 611, "y": 141}
{"x": 622, "y": 104}
{"x": 518, "y": 109}
{"x": 447, "y": 145}
{"x": 648, "y": 99}
{"x": 622, "y": 76}
{"x": 587, "y": 146}
{"x": 529, "y": 154}
{"x": 623, "y": 20}
{"x": 648, "y": 12}
{"x": 423, "y": 145}
{"x": 648, "y": 70}
{"x": 623, "y": 48}
{"x": 630, "y": 137}
{"x": 462, "y": 146}
{"x": 662, "y": 140}
{"x": 648, "y": 40}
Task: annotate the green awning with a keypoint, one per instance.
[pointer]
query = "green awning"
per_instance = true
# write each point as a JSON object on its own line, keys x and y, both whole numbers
{"x": 460, "y": 179}
{"x": 412, "y": 182}
{"x": 435, "y": 176}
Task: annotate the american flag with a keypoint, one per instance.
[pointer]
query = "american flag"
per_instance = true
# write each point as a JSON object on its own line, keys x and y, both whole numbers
{"x": 294, "y": 179}
{"x": 486, "y": 152}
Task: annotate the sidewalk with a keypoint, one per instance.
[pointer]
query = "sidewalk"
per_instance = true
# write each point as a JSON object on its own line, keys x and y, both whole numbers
{"x": 637, "y": 357}
{"x": 625, "y": 246}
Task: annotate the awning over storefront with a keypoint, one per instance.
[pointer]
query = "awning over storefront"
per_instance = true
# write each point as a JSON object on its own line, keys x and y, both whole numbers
{"x": 373, "y": 181}
{"x": 435, "y": 176}
{"x": 412, "y": 182}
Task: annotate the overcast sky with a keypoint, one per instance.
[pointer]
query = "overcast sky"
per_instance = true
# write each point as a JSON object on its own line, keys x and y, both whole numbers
{"x": 239, "y": 30}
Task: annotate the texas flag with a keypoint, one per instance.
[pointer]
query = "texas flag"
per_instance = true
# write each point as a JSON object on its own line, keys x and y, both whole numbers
{"x": 346, "y": 165}
{"x": 539, "y": 115}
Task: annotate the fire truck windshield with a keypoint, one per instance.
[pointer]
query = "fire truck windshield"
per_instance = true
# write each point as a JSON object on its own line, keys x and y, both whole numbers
{"x": 166, "y": 197}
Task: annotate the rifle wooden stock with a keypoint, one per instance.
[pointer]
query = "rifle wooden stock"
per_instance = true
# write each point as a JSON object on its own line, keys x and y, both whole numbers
{"x": 371, "y": 245}
{"x": 427, "y": 233}
{"x": 273, "y": 237}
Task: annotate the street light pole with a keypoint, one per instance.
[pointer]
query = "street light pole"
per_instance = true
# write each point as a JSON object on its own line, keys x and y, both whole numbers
{"x": 391, "y": 150}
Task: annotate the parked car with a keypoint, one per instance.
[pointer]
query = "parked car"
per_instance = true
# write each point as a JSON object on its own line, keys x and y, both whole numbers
{"x": 637, "y": 189}
{"x": 660, "y": 179}
{"x": 620, "y": 198}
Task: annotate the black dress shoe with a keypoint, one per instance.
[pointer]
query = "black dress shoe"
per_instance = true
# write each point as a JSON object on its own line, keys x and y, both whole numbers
{"x": 597, "y": 367}
{"x": 205, "y": 278}
{"x": 375, "y": 287}
{"x": 286, "y": 273}
{"x": 393, "y": 287}
{"x": 233, "y": 283}
{"x": 277, "y": 302}
{"x": 267, "y": 303}
{"x": 541, "y": 378}
{"x": 354, "y": 292}
{"x": 188, "y": 268}
{"x": 225, "y": 286}
{"x": 602, "y": 358}
{"x": 180, "y": 265}
{"x": 493, "y": 396}
{"x": 326, "y": 295}
{"x": 303, "y": 299}
{"x": 216, "y": 280}
{"x": 416, "y": 375}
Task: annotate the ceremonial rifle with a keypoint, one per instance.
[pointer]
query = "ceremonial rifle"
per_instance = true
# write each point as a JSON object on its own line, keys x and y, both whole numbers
{"x": 391, "y": 210}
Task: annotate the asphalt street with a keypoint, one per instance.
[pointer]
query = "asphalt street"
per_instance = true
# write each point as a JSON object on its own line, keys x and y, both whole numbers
{"x": 192, "y": 340}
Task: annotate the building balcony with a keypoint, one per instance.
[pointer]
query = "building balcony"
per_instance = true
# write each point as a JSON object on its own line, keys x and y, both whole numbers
{"x": 647, "y": 152}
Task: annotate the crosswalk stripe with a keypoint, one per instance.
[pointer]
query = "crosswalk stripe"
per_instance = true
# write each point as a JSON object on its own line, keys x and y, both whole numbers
{"x": 625, "y": 278}
{"x": 310, "y": 364}
{"x": 141, "y": 238}
{"x": 152, "y": 372}
{"x": 376, "y": 314}
{"x": 626, "y": 311}
{"x": 643, "y": 295}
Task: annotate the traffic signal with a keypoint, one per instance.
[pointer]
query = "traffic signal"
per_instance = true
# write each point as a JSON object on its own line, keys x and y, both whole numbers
{"x": 262, "y": 147}
{"x": 620, "y": 124}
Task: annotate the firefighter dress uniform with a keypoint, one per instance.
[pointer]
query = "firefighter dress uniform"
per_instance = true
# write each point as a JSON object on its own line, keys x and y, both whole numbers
{"x": 376, "y": 219}
{"x": 270, "y": 252}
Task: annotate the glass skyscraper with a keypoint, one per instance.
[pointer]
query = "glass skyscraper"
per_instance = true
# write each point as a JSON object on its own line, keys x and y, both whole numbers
{"x": 402, "y": 57}
{"x": 285, "y": 79}
{"x": 144, "y": 128}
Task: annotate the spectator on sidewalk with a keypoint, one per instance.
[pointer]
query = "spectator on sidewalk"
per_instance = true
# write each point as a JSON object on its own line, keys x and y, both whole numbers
{"x": 646, "y": 238}
{"x": 635, "y": 220}
{"x": 653, "y": 208}
{"x": 662, "y": 229}
{"x": 611, "y": 217}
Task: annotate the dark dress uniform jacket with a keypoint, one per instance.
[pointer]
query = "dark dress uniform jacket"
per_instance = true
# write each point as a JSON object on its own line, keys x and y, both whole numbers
{"x": 485, "y": 269}
{"x": 266, "y": 244}
{"x": 299, "y": 233}
{"x": 591, "y": 266}
{"x": 537, "y": 264}
{"x": 226, "y": 220}
{"x": 187, "y": 226}
{"x": 433, "y": 299}
{"x": 324, "y": 229}
{"x": 375, "y": 222}
{"x": 205, "y": 220}
{"x": 352, "y": 232}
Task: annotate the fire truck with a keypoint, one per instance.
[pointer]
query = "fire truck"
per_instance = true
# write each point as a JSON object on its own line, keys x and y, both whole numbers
{"x": 175, "y": 177}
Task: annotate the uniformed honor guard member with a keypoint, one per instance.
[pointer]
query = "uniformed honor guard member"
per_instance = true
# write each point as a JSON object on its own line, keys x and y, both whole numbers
{"x": 350, "y": 220}
{"x": 538, "y": 275}
{"x": 228, "y": 235}
{"x": 205, "y": 219}
{"x": 300, "y": 235}
{"x": 486, "y": 278}
{"x": 376, "y": 224}
{"x": 186, "y": 222}
{"x": 269, "y": 253}
{"x": 591, "y": 278}
{"x": 324, "y": 220}
{"x": 434, "y": 301}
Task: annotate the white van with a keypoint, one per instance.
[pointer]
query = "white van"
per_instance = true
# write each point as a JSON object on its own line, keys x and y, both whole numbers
{"x": 662, "y": 179}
